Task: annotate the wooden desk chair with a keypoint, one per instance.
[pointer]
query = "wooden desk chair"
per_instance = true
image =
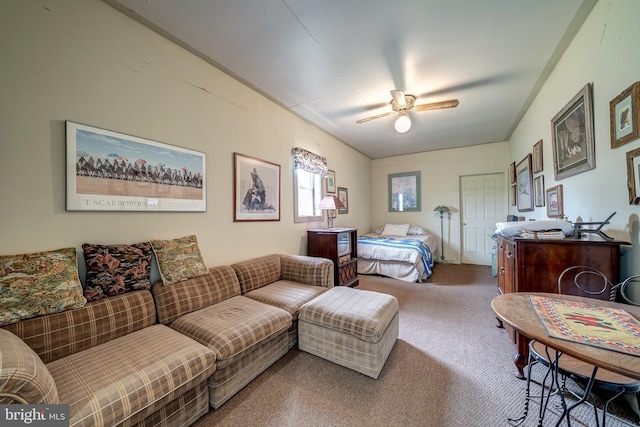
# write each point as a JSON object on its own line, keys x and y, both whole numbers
{"x": 589, "y": 282}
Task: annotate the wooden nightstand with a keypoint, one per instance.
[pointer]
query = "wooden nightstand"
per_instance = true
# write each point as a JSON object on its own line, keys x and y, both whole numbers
{"x": 340, "y": 246}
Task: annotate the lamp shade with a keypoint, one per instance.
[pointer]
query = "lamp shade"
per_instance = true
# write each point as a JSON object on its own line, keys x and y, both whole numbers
{"x": 331, "y": 202}
{"x": 403, "y": 123}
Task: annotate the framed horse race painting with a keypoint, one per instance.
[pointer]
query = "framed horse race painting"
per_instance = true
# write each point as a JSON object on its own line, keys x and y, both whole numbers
{"x": 111, "y": 171}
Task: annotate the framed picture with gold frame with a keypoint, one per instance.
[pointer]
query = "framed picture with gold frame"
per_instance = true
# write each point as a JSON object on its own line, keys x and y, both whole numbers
{"x": 624, "y": 116}
{"x": 537, "y": 157}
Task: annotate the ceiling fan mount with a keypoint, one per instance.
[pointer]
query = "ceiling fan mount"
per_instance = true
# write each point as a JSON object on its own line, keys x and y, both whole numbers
{"x": 401, "y": 104}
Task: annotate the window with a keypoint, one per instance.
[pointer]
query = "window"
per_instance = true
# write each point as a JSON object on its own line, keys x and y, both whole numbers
{"x": 307, "y": 195}
{"x": 309, "y": 171}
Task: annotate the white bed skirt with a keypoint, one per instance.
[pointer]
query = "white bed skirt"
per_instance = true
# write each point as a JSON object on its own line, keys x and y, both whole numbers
{"x": 394, "y": 269}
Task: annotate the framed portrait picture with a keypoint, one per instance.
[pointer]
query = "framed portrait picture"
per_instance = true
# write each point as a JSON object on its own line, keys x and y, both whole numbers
{"x": 538, "y": 186}
{"x": 512, "y": 173}
{"x": 343, "y": 195}
{"x": 330, "y": 182}
{"x": 572, "y": 135}
{"x": 624, "y": 116}
{"x": 404, "y": 192}
{"x": 524, "y": 185}
{"x": 633, "y": 176}
{"x": 256, "y": 189}
{"x": 112, "y": 171}
{"x": 555, "y": 203}
{"x": 537, "y": 157}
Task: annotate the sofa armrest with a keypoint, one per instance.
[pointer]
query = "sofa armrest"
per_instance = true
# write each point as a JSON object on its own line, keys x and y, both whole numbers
{"x": 308, "y": 270}
{"x": 24, "y": 378}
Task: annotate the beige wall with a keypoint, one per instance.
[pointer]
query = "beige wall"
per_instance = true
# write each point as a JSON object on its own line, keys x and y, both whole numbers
{"x": 605, "y": 53}
{"x": 440, "y": 173}
{"x": 83, "y": 61}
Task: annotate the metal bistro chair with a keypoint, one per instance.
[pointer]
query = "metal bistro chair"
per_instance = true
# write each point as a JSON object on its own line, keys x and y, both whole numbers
{"x": 588, "y": 282}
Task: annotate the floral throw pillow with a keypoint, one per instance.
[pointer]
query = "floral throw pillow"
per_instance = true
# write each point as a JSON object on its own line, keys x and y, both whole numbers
{"x": 179, "y": 259}
{"x": 38, "y": 283}
{"x": 116, "y": 269}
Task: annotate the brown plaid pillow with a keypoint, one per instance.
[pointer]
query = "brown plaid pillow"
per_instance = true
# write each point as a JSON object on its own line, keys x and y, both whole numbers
{"x": 116, "y": 269}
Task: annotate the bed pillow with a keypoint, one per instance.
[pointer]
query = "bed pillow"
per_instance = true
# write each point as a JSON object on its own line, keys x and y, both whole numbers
{"x": 416, "y": 230}
{"x": 116, "y": 269}
{"x": 379, "y": 230}
{"x": 179, "y": 259}
{"x": 39, "y": 283}
{"x": 395, "y": 230}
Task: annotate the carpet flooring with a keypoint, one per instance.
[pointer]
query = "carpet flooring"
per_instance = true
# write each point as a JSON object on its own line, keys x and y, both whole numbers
{"x": 451, "y": 366}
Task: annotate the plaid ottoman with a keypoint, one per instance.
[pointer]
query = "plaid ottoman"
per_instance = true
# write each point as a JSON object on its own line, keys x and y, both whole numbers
{"x": 351, "y": 327}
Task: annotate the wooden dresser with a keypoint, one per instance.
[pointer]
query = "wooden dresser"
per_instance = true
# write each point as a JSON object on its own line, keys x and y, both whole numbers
{"x": 528, "y": 265}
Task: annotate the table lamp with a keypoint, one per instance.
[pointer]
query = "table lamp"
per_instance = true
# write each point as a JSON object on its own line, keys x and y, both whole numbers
{"x": 330, "y": 203}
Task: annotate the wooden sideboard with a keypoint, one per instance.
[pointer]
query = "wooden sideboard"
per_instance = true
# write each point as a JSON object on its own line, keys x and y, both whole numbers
{"x": 528, "y": 265}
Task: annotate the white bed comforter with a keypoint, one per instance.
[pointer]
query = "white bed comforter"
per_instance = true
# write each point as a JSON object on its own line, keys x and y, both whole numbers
{"x": 397, "y": 254}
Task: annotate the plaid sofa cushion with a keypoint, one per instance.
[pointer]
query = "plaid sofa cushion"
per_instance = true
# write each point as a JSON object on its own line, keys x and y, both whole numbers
{"x": 257, "y": 272}
{"x": 308, "y": 270}
{"x": 24, "y": 378}
{"x": 219, "y": 284}
{"x": 233, "y": 326}
{"x": 131, "y": 377}
{"x": 363, "y": 314}
{"x": 58, "y": 335}
{"x": 287, "y": 295}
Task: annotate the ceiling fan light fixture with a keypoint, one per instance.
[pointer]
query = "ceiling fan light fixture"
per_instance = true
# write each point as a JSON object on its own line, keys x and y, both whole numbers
{"x": 403, "y": 123}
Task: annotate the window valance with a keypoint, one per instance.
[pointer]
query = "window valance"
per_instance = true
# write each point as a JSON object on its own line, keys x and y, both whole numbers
{"x": 308, "y": 161}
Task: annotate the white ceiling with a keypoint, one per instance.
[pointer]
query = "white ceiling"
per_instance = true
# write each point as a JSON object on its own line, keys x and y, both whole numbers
{"x": 333, "y": 62}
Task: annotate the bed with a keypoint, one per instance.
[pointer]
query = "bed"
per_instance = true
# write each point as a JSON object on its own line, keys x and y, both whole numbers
{"x": 398, "y": 251}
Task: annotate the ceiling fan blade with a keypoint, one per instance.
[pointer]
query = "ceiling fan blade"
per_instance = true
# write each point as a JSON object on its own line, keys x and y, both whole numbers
{"x": 451, "y": 103}
{"x": 399, "y": 99}
{"x": 376, "y": 117}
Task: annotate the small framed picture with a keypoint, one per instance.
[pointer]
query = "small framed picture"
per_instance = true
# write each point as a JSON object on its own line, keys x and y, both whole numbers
{"x": 343, "y": 195}
{"x": 513, "y": 195}
{"x": 555, "y": 204}
{"x": 624, "y": 116}
{"x": 538, "y": 185}
{"x": 537, "y": 157}
{"x": 633, "y": 176}
{"x": 525, "y": 184}
{"x": 330, "y": 182}
{"x": 512, "y": 173}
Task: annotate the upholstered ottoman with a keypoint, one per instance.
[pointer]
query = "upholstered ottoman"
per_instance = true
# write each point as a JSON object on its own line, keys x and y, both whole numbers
{"x": 351, "y": 327}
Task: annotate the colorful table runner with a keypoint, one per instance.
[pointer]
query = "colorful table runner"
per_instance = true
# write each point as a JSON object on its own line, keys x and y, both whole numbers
{"x": 609, "y": 328}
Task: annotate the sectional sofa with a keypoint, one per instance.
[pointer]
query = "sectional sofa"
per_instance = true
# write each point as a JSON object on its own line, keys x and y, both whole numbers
{"x": 162, "y": 355}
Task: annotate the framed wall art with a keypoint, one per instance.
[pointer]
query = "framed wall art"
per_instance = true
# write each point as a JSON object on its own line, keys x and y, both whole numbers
{"x": 538, "y": 186}
{"x": 572, "y": 136}
{"x": 555, "y": 202}
{"x": 330, "y": 182}
{"x": 624, "y": 116}
{"x": 537, "y": 157}
{"x": 256, "y": 189}
{"x": 404, "y": 192}
{"x": 524, "y": 185}
{"x": 633, "y": 176}
{"x": 514, "y": 195}
{"x": 112, "y": 171}
{"x": 343, "y": 196}
{"x": 512, "y": 173}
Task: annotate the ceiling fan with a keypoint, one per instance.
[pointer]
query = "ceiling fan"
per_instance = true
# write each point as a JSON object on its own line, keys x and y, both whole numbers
{"x": 402, "y": 104}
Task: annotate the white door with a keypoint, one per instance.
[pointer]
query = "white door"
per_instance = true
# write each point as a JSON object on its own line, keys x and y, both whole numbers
{"x": 482, "y": 205}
